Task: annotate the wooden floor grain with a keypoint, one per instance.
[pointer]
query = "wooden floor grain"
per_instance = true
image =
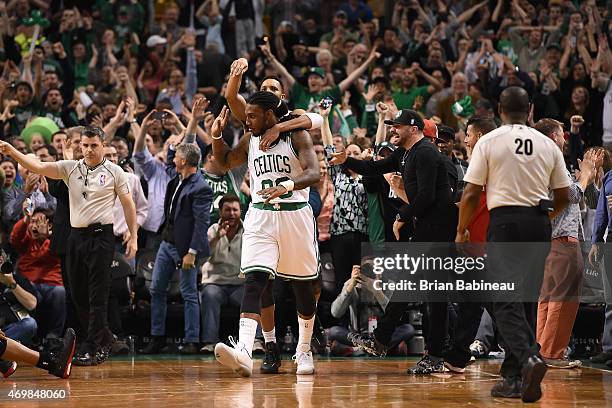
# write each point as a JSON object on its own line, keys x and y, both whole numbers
{"x": 173, "y": 381}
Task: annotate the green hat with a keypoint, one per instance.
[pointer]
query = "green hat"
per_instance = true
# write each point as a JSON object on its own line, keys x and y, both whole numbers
{"x": 315, "y": 71}
{"x": 43, "y": 126}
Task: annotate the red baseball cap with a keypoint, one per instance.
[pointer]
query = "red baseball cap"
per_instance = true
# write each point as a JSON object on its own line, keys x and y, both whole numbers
{"x": 430, "y": 130}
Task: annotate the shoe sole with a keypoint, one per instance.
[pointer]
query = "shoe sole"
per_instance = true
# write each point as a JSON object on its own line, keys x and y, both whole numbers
{"x": 226, "y": 357}
{"x": 531, "y": 390}
{"x": 68, "y": 368}
{"x": 453, "y": 369}
{"x": 497, "y": 395}
{"x": 309, "y": 371}
{"x": 10, "y": 371}
{"x": 271, "y": 370}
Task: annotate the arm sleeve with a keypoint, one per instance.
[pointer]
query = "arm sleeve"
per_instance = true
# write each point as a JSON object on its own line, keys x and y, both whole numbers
{"x": 170, "y": 167}
{"x": 122, "y": 185}
{"x": 600, "y": 224}
{"x": 191, "y": 80}
{"x": 147, "y": 164}
{"x": 315, "y": 119}
{"x": 202, "y": 201}
{"x": 142, "y": 206}
{"x": 341, "y": 303}
{"x": 479, "y": 167}
{"x": 373, "y": 168}
{"x": 558, "y": 177}
{"x": 19, "y": 239}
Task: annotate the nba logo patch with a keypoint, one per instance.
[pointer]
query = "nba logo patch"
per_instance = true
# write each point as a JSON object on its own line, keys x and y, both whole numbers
{"x": 102, "y": 179}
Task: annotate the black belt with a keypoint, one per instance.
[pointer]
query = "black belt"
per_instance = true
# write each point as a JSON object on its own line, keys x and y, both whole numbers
{"x": 93, "y": 228}
{"x": 517, "y": 210}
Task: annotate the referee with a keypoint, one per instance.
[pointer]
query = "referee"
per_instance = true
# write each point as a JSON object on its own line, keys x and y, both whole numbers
{"x": 518, "y": 165}
{"x": 93, "y": 185}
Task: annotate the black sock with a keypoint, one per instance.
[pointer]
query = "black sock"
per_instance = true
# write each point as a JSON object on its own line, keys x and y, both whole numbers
{"x": 44, "y": 361}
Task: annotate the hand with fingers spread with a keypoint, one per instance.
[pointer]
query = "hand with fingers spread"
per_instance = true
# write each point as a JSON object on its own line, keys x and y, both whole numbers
{"x": 220, "y": 123}
{"x": 198, "y": 108}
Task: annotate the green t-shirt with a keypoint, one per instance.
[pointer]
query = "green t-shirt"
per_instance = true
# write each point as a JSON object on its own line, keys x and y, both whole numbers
{"x": 303, "y": 99}
{"x": 221, "y": 185}
{"x": 405, "y": 100}
{"x": 376, "y": 223}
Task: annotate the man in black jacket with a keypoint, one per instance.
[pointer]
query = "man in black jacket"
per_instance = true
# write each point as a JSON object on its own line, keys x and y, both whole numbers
{"x": 434, "y": 214}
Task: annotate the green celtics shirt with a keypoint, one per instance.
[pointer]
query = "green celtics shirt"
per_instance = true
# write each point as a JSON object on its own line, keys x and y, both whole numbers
{"x": 303, "y": 99}
{"x": 405, "y": 99}
{"x": 221, "y": 185}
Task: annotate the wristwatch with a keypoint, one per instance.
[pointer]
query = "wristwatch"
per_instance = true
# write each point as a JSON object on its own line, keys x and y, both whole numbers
{"x": 12, "y": 286}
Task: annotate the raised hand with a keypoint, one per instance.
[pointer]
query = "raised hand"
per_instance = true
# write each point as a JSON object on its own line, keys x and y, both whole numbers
{"x": 239, "y": 67}
{"x": 382, "y": 108}
{"x": 220, "y": 123}
{"x": 198, "y": 108}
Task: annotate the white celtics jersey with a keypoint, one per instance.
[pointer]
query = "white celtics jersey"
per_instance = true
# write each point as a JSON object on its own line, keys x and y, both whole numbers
{"x": 268, "y": 169}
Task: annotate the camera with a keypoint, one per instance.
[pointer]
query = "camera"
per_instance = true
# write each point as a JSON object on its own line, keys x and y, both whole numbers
{"x": 159, "y": 115}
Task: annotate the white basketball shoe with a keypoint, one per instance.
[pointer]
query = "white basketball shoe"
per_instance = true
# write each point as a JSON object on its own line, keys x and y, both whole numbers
{"x": 236, "y": 357}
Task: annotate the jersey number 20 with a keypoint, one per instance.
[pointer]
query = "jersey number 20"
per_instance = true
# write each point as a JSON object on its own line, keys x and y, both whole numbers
{"x": 524, "y": 146}
{"x": 267, "y": 183}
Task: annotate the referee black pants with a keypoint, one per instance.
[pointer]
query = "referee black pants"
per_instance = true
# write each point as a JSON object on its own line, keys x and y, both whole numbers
{"x": 516, "y": 321}
{"x": 89, "y": 255}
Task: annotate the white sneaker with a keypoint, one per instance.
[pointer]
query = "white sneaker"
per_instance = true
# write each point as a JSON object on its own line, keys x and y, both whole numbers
{"x": 562, "y": 362}
{"x": 236, "y": 358}
{"x": 304, "y": 361}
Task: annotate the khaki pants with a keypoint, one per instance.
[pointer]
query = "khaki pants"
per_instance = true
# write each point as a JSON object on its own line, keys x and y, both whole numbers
{"x": 560, "y": 297}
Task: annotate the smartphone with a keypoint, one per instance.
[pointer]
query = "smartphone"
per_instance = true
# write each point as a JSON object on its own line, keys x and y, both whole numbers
{"x": 159, "y": 115}
{"x": 326, "y": 103}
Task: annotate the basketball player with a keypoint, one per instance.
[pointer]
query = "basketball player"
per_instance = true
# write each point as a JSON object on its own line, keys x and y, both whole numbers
{"x": 279, "y": 237}
{"x": 288, "y": 121}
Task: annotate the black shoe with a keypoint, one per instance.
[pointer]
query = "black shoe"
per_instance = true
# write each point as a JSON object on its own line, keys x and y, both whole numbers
{"x": 272, "y": 360}
{"x": 189, "y": 348}
{"x": 533, "y": 373}
{"x": 508, "y": 387}
{"x": 155, "y": 346}
{"x": 85, "y": 359}
{"x": 120, "y": 347}
{"x": 601, "y": 358}
{"x": 428, "y": 365}
{"x": 369, "y": 344}
{"x": 62, "y": 360}
{"x": 7, "y": 368}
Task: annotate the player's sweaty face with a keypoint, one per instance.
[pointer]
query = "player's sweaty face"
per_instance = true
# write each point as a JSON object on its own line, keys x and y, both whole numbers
{"x": 255, "y": 119}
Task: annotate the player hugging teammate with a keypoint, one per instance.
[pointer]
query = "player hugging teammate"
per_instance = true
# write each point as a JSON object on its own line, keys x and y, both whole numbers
{"x": 280, "y": 232}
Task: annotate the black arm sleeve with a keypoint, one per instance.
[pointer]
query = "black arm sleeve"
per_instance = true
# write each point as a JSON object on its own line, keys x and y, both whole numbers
{"x": 374, "y": 168}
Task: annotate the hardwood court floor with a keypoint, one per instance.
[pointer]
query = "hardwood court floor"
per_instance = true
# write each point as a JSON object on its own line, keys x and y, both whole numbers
{"x": 172, "y": 381}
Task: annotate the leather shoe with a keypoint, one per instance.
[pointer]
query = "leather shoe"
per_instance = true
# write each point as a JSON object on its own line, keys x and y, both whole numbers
{"x": 533, "y": 374}
{"x": 189, "y": 348}
{"x": 508, "y": 387}
{"x": 155, "y": 346}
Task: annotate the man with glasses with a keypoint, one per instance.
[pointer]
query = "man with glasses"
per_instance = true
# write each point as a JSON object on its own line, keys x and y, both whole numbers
{"x": 93, "y": 185}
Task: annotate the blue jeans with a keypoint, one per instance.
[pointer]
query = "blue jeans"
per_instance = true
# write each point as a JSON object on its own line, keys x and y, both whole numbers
{"x": 213, "y": 297}
{"x": 22, "y": 331}
{"x": 165, "y": 265}
{"x": 51, "y": 308}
